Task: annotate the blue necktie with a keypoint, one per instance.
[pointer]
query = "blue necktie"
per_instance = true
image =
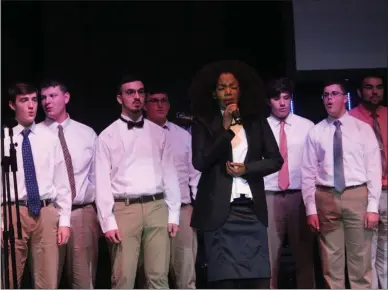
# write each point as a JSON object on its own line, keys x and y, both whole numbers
{"x": 339, "y": 174}
{"x": 33, "y": 198}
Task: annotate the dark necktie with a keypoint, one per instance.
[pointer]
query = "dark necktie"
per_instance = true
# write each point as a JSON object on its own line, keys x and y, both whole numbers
{"x": 68, "y": 161}
{"x": 33, "y": 197}
{"x": 377, "y": 130}
{"x": 131, "y": 124}
{"x": 339, "y": 174}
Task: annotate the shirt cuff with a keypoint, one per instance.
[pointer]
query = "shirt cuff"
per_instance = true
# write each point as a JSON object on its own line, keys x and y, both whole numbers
{"x": 173, "y": 217}
{"x": 109, "y": 224}
{"x": 372, "y": 207}
{"x": 64, "y": 221}
{"x": 311, "y": 209}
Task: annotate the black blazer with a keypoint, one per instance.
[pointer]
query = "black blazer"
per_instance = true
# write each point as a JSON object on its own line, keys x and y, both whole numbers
{"x": 211, "y": 146}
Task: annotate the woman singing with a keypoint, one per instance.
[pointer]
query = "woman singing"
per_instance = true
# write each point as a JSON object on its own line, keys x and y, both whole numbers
{"x": 230, "y": 207}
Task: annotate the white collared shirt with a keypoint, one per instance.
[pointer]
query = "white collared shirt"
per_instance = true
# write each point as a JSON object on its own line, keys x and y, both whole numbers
{"x": 240, "y": 185}
{"x": 80, "y": 140}
{"x": 50, "y": 169}
{"x": 361, "y": 160}
{"x": 296, "y": 129}
{"x": 188, "y": 176}
{"x": 133, "y": 163}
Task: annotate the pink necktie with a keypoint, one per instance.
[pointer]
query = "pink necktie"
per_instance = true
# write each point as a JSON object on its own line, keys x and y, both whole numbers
{"x": 284, "y": 176}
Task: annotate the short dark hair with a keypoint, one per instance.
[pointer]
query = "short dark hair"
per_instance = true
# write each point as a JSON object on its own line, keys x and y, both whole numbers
{"x": 279, "y": 85}
{"x": 20, "y": 88}
{"x": 128, "y": 78}
{"x": 362, "y": 79}
{"x": 339, "y": 82}
{"x": 47, "y": 83}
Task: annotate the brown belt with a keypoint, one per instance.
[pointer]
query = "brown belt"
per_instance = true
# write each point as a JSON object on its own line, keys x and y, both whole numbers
{"x": 141, "y": 199}
{"x": 324, "y": 187}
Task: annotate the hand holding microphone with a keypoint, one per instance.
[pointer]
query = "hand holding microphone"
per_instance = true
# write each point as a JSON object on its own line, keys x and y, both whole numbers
{"x": 231, "y": 112}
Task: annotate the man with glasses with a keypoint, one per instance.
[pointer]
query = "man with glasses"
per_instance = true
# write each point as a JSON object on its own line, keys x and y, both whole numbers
{"x": 371, "y": 111}
{"x": 137, "y": 191}
{"x": 341, "y": 187}
{"x": 184, "y": 245}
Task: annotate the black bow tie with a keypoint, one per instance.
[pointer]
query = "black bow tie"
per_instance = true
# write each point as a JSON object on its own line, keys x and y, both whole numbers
{"x": 131, "y": 124}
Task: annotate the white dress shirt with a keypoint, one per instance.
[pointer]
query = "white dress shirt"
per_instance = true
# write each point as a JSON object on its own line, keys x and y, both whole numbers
{"x": 361, "y": 160}
{"x": 80, "y": 140}
{"x": 296, "y": 129}
{"x": 133, "y": 163}
{"x": 240, "y": 185}
{"x": 50, "y": 169}
{"x": 188, "y": 176}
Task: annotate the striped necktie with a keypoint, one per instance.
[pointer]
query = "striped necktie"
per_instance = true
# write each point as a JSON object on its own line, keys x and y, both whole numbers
{"x": 68, "y": 161}
{"x": 377, "y": 130}
{"x": 339, "y": 173}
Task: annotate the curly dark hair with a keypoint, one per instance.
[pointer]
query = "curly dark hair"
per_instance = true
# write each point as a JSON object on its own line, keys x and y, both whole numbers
{"x": 252, "y": 90}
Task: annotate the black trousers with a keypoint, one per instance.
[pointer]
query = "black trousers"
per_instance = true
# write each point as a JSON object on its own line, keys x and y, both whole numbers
{"x": 260, "y": 283}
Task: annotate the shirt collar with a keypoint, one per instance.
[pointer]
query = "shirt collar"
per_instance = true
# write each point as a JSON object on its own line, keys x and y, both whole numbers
{"x": 288, "y": 120}
{"x": 129, "y": 119}
{"x": 52, "y": 124}
{"x": 18, "y": 129}
{"x": 343, "y": 119}
{"x": 167, "y": 124}
{"x": 367, "y": 113}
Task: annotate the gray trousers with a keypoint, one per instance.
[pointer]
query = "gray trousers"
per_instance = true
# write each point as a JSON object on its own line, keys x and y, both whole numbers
{"x": 379, "y": 247}
{"x": 287, "y": 215}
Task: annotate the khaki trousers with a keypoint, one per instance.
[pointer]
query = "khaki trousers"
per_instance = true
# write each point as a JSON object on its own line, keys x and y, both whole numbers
{"x": 40, "y": 241}
{"x": 342, "y": 228}
{"x": 287, "y": 215}
{"x": 184, "y": 252}
{"x": 380, "y": 247}
{"x": 78, "y": 258}
{"x": 143, "y": 227}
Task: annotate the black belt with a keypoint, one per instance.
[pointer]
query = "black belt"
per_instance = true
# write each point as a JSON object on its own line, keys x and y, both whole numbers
{"x": 141, "y": 199}
{"x": 78, "y": 206}
{"x": 285, "y": 191}
{"x": 324, "y": 187}
{"x": 242, "y": 200}
{"x": 385, "y": 187}
{"x": 43, "y": 202}
{"x": 185, "y": 204}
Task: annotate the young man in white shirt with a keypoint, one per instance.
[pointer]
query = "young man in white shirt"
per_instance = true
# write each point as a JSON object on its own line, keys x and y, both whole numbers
{"x": 286, "y": 212}
{"x": 341, "y": 187}
{"x": 77, "y": 143}
{"x": 137, "y": 191}
{"x": 184, "y": 245}
{"x": 43, "y": 192}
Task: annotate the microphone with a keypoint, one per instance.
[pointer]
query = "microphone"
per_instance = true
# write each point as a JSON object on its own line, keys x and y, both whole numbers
{"x": 236, "y": 113}
{"x": 184, "y": 116}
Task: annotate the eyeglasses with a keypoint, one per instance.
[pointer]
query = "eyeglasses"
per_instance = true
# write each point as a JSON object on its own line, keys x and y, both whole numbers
{"x": 156, "y": 101}
{"x": 132, "y": 92}
{"x": 325, "y": 95}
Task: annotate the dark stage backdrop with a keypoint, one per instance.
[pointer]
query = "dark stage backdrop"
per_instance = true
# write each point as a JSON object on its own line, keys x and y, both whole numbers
{"x": 89, "y": 45}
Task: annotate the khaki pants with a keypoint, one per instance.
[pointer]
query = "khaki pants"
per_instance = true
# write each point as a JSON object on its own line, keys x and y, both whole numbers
{"x": 40, "y": 241}
{"x": 342, "y": 228}
{"x": 380, "y": 247}
{"x": 287, "y": 215}
{"x": 79, "y": 256}
{"x": 184, "y": 252}
{"x": 143, "y": 227}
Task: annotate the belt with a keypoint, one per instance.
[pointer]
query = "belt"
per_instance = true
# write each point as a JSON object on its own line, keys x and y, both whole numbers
{"x": 141, "y": 199}
{"x": 78, "y": 206}
{"x": 385, "y": 187}
{"x": 332, "y": 187}
{"x": 185, "y": 204}
{"x": 43, "y": 202}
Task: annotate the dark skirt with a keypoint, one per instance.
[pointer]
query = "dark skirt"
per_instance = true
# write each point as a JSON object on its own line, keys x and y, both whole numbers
{"x": 239, "y": 248}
